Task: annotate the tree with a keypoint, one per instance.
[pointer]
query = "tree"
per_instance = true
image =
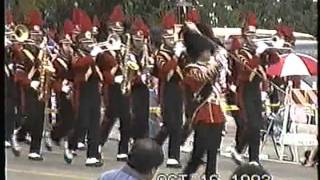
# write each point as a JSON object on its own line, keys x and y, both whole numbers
{"x": 301, "y": 15}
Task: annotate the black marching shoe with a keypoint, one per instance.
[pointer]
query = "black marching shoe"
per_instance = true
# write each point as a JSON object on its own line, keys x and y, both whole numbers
{"x": 237, "y": 157}
{"x": 94, "y": 162}
{"x": 48, "y": 143}
{"x": 173, "y": 163}
{"x": 68, "y": 156}
{"x": 100, "y": 154}
{"x": 35, "y": 157}
{"x": 122, "y": 157}
{"x": 16, "y": 149}
{"x": 81, "y": 146}
{"x": 7, "y": 144}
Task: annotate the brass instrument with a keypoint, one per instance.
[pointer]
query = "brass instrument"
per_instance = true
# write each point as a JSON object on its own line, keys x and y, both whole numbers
{"x": 147, "y": 66}
{"x": 21, "y": 33}
{"x": 46, "y": 72}
{"x": 112, "y": 43}
{"x": 128, "y": 68}
{"x": 273, "y": 40}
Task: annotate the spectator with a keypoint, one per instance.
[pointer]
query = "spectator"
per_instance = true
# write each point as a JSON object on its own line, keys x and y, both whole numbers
{"x": 143, "y": 161}
{"x": 154, "y": 116}
{"x": 250, "y": 170}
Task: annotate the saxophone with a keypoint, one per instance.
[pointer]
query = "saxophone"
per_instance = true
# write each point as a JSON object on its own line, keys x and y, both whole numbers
{"x": 46, "y": 72}
{"x": 147, "y": 66}
{"x": 128, "y": 67}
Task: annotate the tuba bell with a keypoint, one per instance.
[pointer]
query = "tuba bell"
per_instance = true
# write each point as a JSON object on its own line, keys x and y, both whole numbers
{"x": 21, "y": 33}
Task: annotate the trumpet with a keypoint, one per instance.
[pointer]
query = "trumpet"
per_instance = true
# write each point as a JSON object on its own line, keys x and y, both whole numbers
{"x": 113, "y": 42}
{"x": 274, "y": 42}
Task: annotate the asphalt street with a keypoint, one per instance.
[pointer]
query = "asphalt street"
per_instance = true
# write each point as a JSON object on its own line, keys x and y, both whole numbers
{"x": 54, "y": 168}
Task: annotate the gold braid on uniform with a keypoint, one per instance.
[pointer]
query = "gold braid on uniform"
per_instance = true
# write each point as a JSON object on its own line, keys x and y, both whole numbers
{"x": 204, "y": 73}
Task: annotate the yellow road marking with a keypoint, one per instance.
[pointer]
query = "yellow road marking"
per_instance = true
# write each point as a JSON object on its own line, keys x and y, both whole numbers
{"x": 48, "y": 174}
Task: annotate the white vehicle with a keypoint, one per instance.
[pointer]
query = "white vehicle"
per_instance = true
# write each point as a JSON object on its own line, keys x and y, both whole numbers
{"x": 305, "y": 43}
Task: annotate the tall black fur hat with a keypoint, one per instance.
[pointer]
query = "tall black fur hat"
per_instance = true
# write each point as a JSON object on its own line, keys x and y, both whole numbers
{"x": 196, "y": 42}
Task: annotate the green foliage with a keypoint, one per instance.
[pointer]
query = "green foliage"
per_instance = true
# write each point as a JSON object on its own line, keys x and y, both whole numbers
{"x": 301, "y": 15}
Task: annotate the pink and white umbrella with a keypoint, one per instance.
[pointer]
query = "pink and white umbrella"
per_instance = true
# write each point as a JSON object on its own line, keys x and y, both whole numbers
{"x": 294, "y": 64}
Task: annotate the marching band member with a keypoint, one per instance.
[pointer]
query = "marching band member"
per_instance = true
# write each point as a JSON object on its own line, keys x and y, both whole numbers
{"x": 116, "y": 103}
{"x": 171, "y": 97}
{"x": 116, "y": 22}
{"x": 139, "y": 92}
{"x": 86, "y": 86}
{"x": 285, "y": 37}
{"x": 28, "y": 77}
{"x": 63, "y": 84}
{"x": 252, "y": 60}
{"x": 95, "y": 27}
{"x": 205, "y": 76}
{"x": 233, "y": 45}
{"x": 11, "y": 92}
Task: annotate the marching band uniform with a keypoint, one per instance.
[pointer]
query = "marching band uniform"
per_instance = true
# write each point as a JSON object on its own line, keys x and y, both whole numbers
{"x": 139, "y": 90}
{"x": 95, "y": 27}
{"x": 62, "y": 85}
{"x": 171, "y": 97}
{"x": 249, "y": 93}
{"x": 193, "y": 16}
{"x": 27, "y": 75}
{"x": 206, "y": 79}
{"x": 233, "y": 45}
{"x": 87, "y": 81}
{"x": 11, "y": 94}
{"x": 116, "y": 103}
{"x": 285, "y": 35}
{"x": 10, "y": 97}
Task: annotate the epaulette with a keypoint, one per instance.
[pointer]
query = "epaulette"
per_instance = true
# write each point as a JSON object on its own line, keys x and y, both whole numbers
{"x": 246, "y": 52}
{"x": 165, "y": 54}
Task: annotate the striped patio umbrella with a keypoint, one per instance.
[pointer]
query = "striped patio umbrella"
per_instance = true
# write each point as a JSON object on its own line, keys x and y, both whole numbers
{"x": 294, "y": 64}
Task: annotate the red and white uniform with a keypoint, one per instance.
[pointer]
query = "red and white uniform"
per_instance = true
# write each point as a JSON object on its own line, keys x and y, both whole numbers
{"x": 197, "y": 75}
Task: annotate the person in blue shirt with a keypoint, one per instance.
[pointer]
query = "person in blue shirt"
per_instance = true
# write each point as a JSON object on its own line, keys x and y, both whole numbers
{"x": 143, "y": 161}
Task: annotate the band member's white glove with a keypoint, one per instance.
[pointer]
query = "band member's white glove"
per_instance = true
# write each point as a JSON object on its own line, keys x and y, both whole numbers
{"x": 118, "y": 79}
{"x": 7, "y": 42}
{"x": 151, "y": 62}
{"x": 10, "y": 66}
{"x": 144, "y": 78}
{"x": 261, "y": 48}
{"x": 179, "y": 49}
{"x": 264, "y": 96}
{"x": 66, "y": 89}
{"x": 44, "y": 42}
{"x": 35, "y": 84}
{"x": 233, "y": 88}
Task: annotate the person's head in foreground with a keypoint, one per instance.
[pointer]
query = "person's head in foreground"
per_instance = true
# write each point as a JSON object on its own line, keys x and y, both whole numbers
{"x": 143, "y": 161}
{"x": 251, "y": 170}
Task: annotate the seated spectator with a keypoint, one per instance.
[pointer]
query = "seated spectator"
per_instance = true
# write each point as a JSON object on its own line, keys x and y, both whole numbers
{"x": 143, "y": 161}
{"x": 250, "y": 170}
